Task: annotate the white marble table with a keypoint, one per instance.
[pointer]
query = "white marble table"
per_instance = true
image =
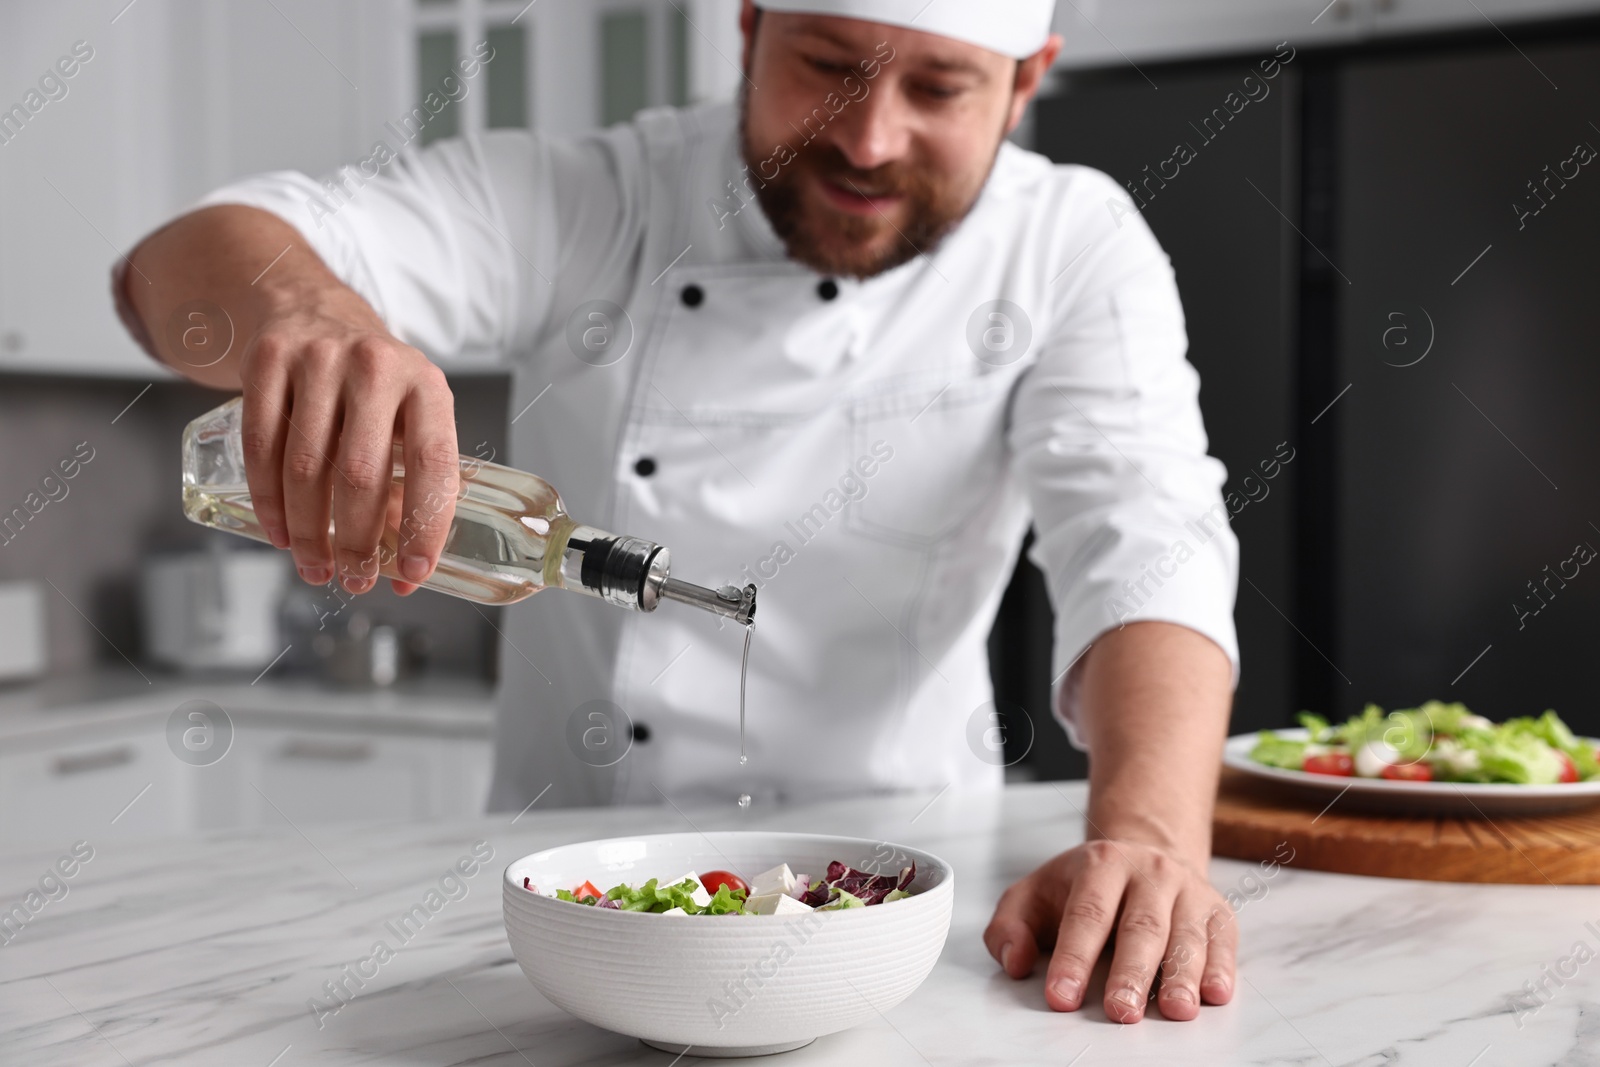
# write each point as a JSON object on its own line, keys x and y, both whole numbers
{"x": 207, "y": 950}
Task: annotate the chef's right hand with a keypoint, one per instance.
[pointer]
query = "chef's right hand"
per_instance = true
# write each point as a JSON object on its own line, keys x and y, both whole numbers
{"x": 327, "y": 391}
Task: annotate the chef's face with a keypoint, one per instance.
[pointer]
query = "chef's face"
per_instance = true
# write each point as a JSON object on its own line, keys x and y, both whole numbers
{"x": 867, "y": 143}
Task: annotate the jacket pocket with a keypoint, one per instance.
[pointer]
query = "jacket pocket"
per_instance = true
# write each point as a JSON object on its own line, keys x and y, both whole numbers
{"x": 939, "y": 451}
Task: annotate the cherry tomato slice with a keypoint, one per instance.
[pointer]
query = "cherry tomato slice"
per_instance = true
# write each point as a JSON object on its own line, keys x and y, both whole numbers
{"x": 713, "y": 880}
{"x": 587, "y": 889}
{"x": 1408, "y": 772}
{"x": 1569, "y": 770}
{"x": 1338, "y": 763}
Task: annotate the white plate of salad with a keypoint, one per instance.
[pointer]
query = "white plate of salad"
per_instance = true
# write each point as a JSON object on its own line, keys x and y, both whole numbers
{"x": 1438, "y": 758}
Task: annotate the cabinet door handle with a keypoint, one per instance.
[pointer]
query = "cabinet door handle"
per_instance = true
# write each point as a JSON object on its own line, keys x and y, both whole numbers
{"x": 83, "y": 762}
{"x": 333, "y": 751}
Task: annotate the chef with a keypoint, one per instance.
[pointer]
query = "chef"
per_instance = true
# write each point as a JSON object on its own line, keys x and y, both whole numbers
{"x": 840, "y": 340}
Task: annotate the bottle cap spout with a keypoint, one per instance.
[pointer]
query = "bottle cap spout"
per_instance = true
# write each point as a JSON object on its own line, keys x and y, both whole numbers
{"x": 634, "y": 573}
{"x": 729, "y": 601}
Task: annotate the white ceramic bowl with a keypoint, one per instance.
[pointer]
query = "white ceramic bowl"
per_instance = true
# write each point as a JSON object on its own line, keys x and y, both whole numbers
{"x": 733, "y": 985}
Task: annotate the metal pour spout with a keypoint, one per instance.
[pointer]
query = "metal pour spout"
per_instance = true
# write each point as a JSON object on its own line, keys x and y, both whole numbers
{"x": 729, "y": 601}
{"x": 634, "y": 573}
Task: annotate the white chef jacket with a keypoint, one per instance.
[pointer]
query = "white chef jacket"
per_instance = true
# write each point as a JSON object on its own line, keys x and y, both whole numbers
{"x": 842, "y": 446}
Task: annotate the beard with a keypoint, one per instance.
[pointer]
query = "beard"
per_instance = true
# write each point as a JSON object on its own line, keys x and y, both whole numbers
{"x": 833, "y": 242}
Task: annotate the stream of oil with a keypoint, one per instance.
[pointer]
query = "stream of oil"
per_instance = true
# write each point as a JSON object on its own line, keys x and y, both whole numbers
{"x": 744, "y": 672}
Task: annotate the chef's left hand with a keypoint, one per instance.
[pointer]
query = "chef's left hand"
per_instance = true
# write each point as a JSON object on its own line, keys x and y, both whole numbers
{"x": 1172, "y": 930}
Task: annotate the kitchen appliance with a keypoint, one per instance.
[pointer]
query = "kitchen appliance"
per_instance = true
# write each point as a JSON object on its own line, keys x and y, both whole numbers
{"x": 363, "y": 654}
{"x": 22, "y": 644}
{"x": 213, "y": 610}
{"x": 351, "y": 648}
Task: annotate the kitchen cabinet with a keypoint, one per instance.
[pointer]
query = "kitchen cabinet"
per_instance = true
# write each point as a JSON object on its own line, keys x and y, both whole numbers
{"x": 79, "y": 177}
{"x": 297, "y": 756}
{"x": 309, "y": 776}
{"x": 174, "y": 98}
{"x": 181, "y": 96}
{"x": 1117, "y": 33}
{"x": 118, "y": 783}
{"x": 1410, "y": 16}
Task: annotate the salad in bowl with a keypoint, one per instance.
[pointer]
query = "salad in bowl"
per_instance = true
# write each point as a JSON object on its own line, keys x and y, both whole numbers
{"x": 785, "y": 938}
{"x": 778, "y": 891}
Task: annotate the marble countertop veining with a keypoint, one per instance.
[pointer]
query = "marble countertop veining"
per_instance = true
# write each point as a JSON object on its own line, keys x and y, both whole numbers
{"x": 207, "y": 950}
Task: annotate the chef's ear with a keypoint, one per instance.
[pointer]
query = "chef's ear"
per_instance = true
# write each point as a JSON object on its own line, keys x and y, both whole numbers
{"x": 1029, "y": 77}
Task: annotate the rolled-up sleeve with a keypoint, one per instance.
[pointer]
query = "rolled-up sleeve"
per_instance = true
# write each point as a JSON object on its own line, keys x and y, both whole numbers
{"x": 1109, "y": 443}
{"x": 454, "y": 245}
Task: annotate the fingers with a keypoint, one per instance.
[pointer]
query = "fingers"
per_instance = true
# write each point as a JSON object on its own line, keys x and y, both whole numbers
{"x": 432, "y": 465}
{"x": 1170, "y": 927}
{"x": 1186, "y": 955}
{"x": 264, "y": 429}
{"x": 392, "y": 522}
{"x": 1086, "y": 923}
{"x": 365, "y": 464}
{"x": 312, "y": 435}
{"x": 324, "y": 402}
{"x": 1222, "y": 955}
{"x": 1142, "y": 937}
{"x": 1020, "y": 921}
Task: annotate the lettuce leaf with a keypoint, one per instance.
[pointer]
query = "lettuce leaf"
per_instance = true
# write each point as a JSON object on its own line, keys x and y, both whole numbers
{"x": 725, "y": 902}
{"x": 842, "y": 900}
{"x": 1316, "y": 726}
{"x": 657, "y": 898}
{"x": 1275, "y": 751}
{"x": 1458, "y": 745}
{"x": 1515, "y": 756}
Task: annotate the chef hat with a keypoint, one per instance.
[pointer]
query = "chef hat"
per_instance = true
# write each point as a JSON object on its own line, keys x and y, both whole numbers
{"x": 1015, "y": 28}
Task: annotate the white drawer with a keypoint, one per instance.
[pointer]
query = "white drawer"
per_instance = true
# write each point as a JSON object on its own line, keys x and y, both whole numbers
{"x": 85, "y": 791}
{"x": 309, "y": 777}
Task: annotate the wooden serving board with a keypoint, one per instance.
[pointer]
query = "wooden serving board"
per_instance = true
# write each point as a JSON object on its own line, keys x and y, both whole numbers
{"x": 1255, "y": 822}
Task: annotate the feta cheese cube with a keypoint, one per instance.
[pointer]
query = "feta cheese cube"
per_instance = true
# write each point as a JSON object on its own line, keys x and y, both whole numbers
{"x": 674, "y": 911}
{"x": 699, "y": 896}
{"x": 778, "y": 880}
{"x": 789, "y": 905}
{"x": 775, "y": 904}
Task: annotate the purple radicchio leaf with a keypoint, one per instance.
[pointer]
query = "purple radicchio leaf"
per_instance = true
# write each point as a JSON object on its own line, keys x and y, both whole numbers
{"x": 816, "y": 895}
{"x": 908, "y": 876}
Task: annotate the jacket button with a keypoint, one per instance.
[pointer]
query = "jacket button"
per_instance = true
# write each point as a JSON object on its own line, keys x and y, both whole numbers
{"x": 827, "y": 288}
{"x": 641, "y": 732}
{"x": 645, "y": 467}
{"x": 692, "y": 296}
